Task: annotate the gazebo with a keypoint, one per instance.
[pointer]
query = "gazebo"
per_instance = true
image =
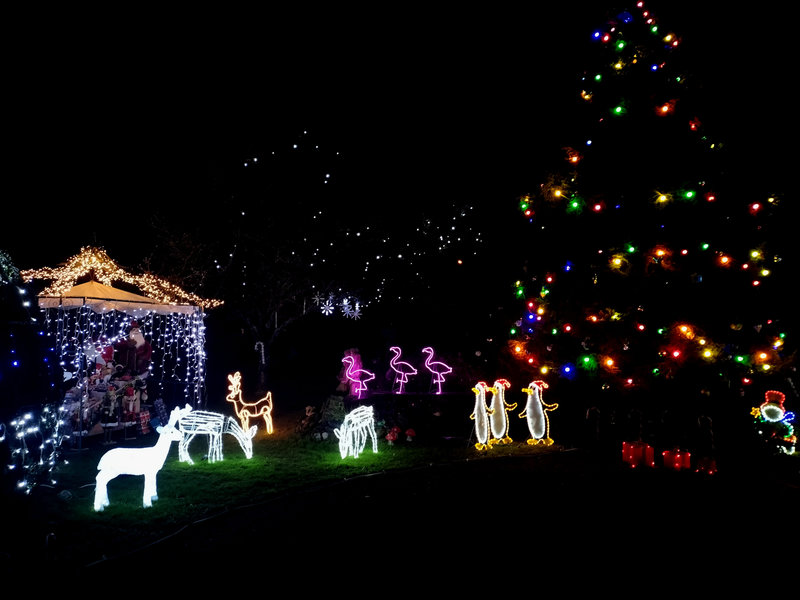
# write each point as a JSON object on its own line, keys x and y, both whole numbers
{"x": 91, "y": 309}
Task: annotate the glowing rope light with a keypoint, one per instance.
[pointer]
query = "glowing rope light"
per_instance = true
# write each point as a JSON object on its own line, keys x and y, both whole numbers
{"x": 352, "y": 435}
{"x": 402, "y": 369}
{"x": 772, "y": 408}
{"x": 214, "y": 425}
{"x": 360, "y": 377}
{"x": 498, "y": 409}
{"x": 536, "y": 414}
{"x": 480, "y": 414}
{"x": 138, "y": 461}
{"x": 438, "y": 369}
{"x": 249, "y": 410}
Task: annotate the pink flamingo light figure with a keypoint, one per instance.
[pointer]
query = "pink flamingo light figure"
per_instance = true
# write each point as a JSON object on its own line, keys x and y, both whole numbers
{"x": 358, "y": 376}
{"x": 437, "y": 369}
{"x": 402, "y": 368}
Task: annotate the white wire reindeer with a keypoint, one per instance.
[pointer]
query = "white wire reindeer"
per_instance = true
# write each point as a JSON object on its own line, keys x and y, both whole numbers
{"x": 214, "y": 425}
{"x": 353, "y": 434}
{"x": 138, "y": 461}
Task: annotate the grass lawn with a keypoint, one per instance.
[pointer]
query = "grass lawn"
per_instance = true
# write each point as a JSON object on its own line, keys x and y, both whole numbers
{"x": 58, "y": 522}
{"x": 55, "y": 525}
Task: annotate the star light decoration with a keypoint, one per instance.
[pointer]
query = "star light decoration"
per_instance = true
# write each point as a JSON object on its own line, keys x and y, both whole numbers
{"x": 349, "y": 307}
{"x": 689, "y": 252}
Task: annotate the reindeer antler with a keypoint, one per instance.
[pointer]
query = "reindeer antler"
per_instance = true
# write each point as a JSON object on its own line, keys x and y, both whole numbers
{"x": 178, "y": 413}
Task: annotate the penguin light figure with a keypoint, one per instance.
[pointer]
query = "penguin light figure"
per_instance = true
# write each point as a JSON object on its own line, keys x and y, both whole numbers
{"x": 499, "y": 416}
{"x": 480, "y": 414}
{"x": 536, "y": 412}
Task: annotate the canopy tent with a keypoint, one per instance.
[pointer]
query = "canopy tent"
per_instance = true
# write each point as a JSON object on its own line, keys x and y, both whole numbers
{"x": 83, "y": 317}
{"x": 103, "y": 298}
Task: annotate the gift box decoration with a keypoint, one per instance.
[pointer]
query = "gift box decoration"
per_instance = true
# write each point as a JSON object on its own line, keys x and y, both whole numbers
{"x": 638, "y": 453}
{"x": 676, "y": 459}
{"x": 144, "y": 421}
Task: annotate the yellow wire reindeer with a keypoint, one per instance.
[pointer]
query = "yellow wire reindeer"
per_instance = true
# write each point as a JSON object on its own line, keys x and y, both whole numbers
{"x": 249, "y": 410}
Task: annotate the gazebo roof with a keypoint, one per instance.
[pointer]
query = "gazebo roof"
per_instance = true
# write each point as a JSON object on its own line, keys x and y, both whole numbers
{"x": 103, "y": 298}
{"x": 157, "y": 294}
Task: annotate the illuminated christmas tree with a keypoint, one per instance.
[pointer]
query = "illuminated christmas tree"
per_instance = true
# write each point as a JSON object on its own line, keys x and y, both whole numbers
{"x": 651, "y": 271}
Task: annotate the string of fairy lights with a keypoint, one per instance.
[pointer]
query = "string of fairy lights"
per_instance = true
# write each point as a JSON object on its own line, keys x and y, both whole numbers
{"x": 80, "y": 332}
{"x": 365, "y": 252}
{"x": 662, "y": 231}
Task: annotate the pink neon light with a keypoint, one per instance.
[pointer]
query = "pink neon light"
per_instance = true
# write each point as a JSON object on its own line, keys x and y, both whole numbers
{"x": 438, "y": 369}
{"x": 358, "y": 376}
{"x": 402, "y": 368}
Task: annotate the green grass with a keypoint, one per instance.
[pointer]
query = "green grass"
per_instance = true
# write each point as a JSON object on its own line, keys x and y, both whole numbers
{"x": 282, "y": 463}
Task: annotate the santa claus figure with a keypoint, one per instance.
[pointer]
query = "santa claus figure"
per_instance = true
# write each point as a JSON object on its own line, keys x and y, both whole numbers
{"x": 134, "y": 353}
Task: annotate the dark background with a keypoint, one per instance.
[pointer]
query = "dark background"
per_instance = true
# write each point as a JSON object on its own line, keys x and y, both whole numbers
{"x": 112, "y": 117}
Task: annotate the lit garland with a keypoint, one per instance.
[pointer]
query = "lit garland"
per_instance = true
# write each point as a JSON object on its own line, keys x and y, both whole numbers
{"x": 354, "y": 430}
{"x": 249, "y": 410}
{"x": 536, "y": 414}
{"x": 138, "y": 461}
{"x": 480, "y": 414}
{"x": 214, "y": 425}
{"x": 498, "y": 410}
{"x": 97, "y": 263}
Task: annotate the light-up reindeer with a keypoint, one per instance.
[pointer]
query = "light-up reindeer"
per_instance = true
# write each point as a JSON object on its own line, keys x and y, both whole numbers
{"x": 480, "y": 414}
{"x": 249, "y": 410}
{"x": 357, "y": 425}
{"x": 138, "y": 461}
{"x": 214, "y": 425}
{"x": 536, "y": 412}
{"x": 499, "y": 413}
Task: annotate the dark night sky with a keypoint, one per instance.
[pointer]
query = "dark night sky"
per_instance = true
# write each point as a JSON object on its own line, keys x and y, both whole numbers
{"x": 106, "y": 122}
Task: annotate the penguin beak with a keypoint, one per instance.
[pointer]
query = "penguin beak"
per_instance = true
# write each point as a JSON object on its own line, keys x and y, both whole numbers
{"x": 527, "y": 390}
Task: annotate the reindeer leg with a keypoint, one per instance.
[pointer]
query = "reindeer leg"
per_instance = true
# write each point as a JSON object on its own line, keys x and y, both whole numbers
{"x": 214, "y": 448}
{"x": 268, "y": 423}
{"x": 101, "y": 490}
{"x": 183, "y": 449}
{"x": 150, "y": 492}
